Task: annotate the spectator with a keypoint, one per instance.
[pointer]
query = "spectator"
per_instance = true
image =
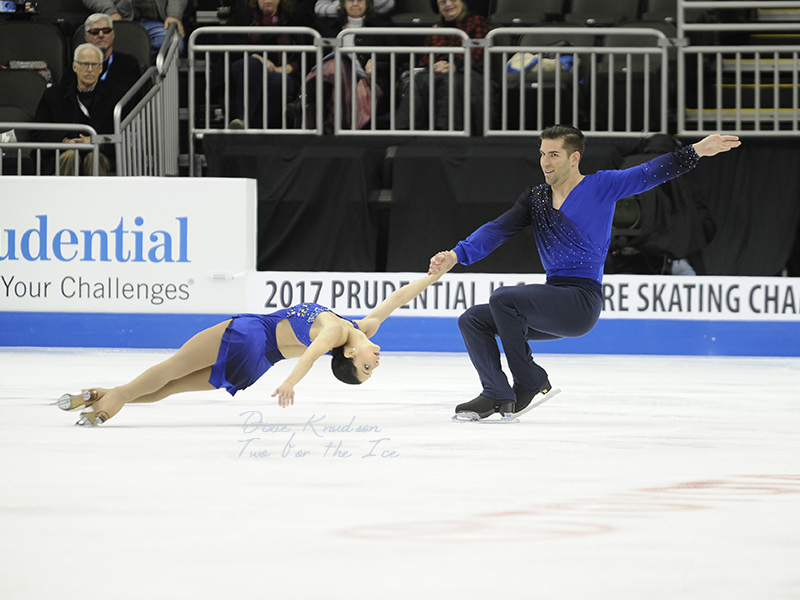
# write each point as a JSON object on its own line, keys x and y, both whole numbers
{"x": 353, "y": 14}
{"x": 453, "y": 14}
{"x": 118, "y": 67}
{"x": 154, "y": 15}
{"x": 88, "y": 100}
{"x": 330, "y": 8}
{"x": 269, "y": 14}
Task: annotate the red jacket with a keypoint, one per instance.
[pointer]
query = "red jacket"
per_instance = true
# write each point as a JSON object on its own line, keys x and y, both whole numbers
{"x": 474, "y": 26}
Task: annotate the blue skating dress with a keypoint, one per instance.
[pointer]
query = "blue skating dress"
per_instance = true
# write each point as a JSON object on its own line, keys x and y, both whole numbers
{"x": 249, "y": 348}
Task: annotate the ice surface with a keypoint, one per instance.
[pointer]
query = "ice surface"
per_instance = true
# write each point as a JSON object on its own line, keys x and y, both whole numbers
{"x": 647, "y": 477}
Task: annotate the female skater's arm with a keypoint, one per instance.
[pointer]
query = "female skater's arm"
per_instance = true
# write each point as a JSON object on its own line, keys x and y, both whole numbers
{"x": 369, "y": 324}
{"x": 322, "y": 344}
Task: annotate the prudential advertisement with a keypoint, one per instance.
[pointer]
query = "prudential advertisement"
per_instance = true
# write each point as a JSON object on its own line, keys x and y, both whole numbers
{"x": 153, "y": 245}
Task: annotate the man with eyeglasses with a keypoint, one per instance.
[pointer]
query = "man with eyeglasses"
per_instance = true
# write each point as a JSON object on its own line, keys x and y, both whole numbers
{"x": 118, "y": 67}
{"x": 86, "y": 100}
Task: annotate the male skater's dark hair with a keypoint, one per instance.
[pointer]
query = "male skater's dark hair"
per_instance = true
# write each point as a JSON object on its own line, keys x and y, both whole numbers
{"x": 574, "y": 141}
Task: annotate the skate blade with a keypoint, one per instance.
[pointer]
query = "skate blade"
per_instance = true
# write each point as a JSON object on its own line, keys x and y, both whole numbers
{"x": 92, "y": 419}
{"x": 466, "y": 417}
{"x": 70, "y": 402}
{"x": 471, "y": 417}
{"x": 532, "y": 405}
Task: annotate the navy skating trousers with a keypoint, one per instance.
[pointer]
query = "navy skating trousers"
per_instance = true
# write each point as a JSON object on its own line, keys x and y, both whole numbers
{"x": 518, "y": 314}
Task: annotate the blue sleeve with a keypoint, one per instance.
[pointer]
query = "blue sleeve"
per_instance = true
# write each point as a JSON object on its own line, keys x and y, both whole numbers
{"x": 486, "y": 238}
{"x": 646, "y": 176}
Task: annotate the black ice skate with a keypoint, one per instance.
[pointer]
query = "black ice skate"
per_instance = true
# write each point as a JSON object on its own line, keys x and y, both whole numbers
{"x": 476, "y": 409}
{"x": 482, "y": 407}
{"x": 76, "y": 401}
{"x": 525, "y": 402}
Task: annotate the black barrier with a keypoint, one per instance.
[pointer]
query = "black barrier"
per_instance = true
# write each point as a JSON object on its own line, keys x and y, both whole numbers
{"x": 315, "y": 199}
{"x": 319, "y": 208}
{"x": 442, "y": 192}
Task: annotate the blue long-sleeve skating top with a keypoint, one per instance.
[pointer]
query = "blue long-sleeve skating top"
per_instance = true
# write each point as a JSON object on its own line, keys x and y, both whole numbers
{"x": 573, "y": 241}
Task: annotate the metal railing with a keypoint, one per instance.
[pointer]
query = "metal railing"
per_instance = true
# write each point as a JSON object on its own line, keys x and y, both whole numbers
{"x": 620, "y": 91}
{"x": 214, "y": 51}
{"x": 571, "y": 96}
{"x": 634, "y": 78}
{"x": 404, "y": 55}
{"x": 23, "y": 150}
{"x": 745, "y": 90}
{"x": 147, "y": 138}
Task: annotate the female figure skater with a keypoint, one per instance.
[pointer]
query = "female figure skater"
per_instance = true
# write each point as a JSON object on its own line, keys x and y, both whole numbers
{"x": 235, "y": 353}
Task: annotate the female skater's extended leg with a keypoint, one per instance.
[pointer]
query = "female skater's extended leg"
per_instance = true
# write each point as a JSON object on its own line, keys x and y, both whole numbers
{"x": 196, "y": 355}
{"x": 193, "y": 382}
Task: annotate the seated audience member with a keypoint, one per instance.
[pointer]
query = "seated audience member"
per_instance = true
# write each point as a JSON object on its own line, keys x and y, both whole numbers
{"x": 118, "y": 67}
{"x": 87, "y": 100}
{"x": 330, "y": 8}
{"x": 154, "y": 15}
{"x": 269, "y": 14}
{"x": 452, "y": 14}
{"x": 353, "y": 14}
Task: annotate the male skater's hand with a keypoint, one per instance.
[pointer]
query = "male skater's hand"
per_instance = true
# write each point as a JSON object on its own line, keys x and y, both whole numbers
{"x": 442, "y": 262}
{"x": 716, "y": 143}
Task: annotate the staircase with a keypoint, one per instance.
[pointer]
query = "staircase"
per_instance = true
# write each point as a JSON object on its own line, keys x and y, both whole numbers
{"x": 750, "y": 83}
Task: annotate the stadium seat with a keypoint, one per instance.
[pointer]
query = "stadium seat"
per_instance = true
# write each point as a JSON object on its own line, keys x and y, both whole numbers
{"x": 562, "y": 42}
{"x": 601, "y": 14}
{"x": 414, "y": 13}
{"x": 635, "y": 73}
{"x": 14, "y": 114}
{"x": 33, "y": 41}
{"x": 22, "y": 89}
{"x": 68, "y": 11}
{"x": 661, "y": 10}
{"x": 524, "y": 13}
{"x": 10, "y": 158}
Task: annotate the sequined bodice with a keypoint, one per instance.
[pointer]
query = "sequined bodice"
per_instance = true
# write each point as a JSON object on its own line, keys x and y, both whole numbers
{"x": 302, "y": 316}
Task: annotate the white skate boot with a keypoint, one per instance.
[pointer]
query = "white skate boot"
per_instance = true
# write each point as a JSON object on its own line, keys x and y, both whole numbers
{"x": 75, "y": 401}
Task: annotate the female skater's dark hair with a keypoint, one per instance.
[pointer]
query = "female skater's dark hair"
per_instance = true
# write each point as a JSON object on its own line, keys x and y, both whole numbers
{"x": 344, "y": 369}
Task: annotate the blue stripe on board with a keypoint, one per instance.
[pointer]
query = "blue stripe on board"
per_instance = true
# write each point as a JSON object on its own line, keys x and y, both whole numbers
{"x": 414, "y": 334}
{"x": 617, "y": 336}
{"x": 101, "y": 330}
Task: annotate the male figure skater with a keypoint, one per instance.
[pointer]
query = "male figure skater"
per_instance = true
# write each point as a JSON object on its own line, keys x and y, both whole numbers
{"x": 571, "y": 216}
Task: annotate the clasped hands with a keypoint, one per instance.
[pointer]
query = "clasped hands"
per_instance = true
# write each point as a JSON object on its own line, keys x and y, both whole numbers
{"x": 441, "y": 66}
{"x": 442, "y": 262}
{"x": 272, "y": 67}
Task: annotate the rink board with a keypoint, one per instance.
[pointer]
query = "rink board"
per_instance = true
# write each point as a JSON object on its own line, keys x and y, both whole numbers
{"x": 416, "y": 334}
{"x": 152, "y": 264}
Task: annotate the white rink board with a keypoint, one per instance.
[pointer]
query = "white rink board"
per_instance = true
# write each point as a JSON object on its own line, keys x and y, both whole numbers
{"x": 625, "y": 296}
{"x": 132, "y": 245}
